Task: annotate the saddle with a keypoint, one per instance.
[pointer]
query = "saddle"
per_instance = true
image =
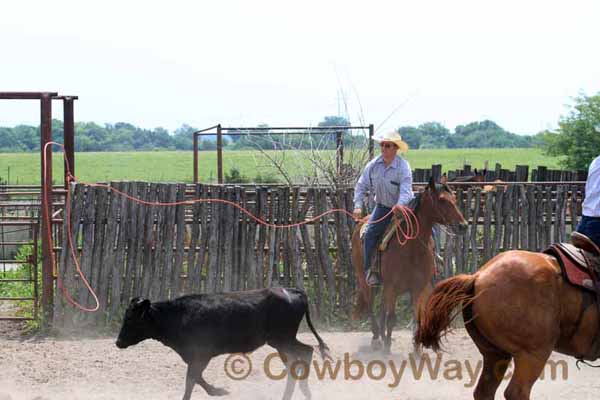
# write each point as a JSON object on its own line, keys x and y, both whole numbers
{"x": 580, "y": 266}
{"x": 579, "y": 261}
{"x": 387, "y": 236}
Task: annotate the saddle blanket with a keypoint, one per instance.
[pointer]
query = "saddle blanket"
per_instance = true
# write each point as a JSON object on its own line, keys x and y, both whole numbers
{"x": 573, "y": 264}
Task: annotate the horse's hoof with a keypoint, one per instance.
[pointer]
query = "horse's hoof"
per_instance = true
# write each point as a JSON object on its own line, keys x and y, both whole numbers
{"x": 376, "y": 344}
{"x": 387, "y": 347}
{"x": 417, "y": 351}
{"x": 218, "y": 392}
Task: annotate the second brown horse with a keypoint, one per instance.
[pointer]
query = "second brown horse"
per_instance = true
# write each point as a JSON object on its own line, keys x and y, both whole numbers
{"x": 517, "y": 307}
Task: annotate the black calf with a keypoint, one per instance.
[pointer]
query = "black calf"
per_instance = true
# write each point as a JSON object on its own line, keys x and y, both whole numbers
{"x": 200, "y": 327}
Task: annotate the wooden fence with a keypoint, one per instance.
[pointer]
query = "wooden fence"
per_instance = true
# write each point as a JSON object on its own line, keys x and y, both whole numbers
{"x": 127, "y": 249}
{"x": 521, "y": 173}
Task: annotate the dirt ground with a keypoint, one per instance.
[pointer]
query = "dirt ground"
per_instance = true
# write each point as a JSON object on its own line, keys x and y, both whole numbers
{"x": 50, "y": 368}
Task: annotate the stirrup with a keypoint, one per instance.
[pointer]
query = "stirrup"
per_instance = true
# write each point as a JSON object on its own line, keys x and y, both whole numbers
{"x": 373, "y": 278}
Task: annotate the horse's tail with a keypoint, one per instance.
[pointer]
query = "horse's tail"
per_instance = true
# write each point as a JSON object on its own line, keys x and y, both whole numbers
{"x": 436, "y": 315}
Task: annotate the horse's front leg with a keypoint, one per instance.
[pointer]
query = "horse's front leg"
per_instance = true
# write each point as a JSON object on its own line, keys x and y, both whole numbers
{"x": 389, "y": 317}
{"x": 375, "y": 327}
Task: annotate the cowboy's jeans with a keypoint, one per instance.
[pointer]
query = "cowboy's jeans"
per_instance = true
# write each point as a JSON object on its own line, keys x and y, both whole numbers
{"x": 374, "y": 232}
{"x": 590, "y": 227}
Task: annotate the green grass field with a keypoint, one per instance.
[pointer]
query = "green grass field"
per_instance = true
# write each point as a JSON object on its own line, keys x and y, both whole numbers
{"x": 175, "y": 166}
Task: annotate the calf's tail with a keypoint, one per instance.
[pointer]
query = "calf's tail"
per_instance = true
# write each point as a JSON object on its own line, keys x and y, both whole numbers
{"x": 323, "y": 348}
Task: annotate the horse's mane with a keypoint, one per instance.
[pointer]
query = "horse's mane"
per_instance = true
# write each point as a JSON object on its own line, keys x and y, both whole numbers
{"x": 416, "y": 201}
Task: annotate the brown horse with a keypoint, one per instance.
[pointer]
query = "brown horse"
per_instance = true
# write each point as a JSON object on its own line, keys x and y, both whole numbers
{"x": 478, "y": 177}
{"x": 409, "y": 267}
{"x": 475, "y": 176}
{"x": 516, "y": 307}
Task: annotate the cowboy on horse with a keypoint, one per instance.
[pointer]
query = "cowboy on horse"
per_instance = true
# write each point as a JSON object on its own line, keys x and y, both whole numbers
{"x": 589, "y": 224}
{"x": 389, "y": 178}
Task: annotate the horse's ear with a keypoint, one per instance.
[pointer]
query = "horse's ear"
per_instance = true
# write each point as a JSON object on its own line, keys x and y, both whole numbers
{"x": 444, "y": 179}
{"x": 475, "y": 171}
{"x": 431, "y": 185}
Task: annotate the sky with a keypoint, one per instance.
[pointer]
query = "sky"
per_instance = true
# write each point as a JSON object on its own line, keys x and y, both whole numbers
{"x": 244, "y": 63}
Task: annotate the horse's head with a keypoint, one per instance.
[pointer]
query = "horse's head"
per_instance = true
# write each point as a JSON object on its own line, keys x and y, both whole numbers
{"x": 479, "y": 175}
{"x": 443, "y": 208}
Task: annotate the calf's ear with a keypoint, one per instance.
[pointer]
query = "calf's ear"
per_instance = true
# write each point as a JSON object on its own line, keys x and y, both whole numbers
{"x": 138, "y": 303}
{"x": 144, "y": 306}
{"x": 134, "y": 301}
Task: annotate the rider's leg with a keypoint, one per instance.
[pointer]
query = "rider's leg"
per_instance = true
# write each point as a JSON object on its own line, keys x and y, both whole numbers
{"x": 590, "y": 227}
{"x": 373, "y": 233}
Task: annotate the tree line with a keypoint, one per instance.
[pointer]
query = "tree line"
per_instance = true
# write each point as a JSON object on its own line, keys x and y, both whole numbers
{"x": 123, "y": 136}
{"x": 576, "y": 141}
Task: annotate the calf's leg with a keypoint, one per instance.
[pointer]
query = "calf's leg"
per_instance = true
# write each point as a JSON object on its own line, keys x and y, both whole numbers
{"x": 297, "y": 357}
{"x": 194, "y": 375}
{"x": 304, "y": 354}
{"x": 190, "y": 379}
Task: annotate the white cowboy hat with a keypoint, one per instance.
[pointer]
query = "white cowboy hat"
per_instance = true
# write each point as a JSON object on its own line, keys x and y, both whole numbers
{"x": 393, "y": 137}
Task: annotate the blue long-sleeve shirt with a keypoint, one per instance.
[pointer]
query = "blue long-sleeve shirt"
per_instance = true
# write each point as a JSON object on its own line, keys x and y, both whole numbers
{"x": 392, "y": 184}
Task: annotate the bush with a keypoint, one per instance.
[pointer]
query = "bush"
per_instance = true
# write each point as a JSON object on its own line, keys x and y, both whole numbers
{"x": 20, "y": 289}
{"x": 234, "y": 176}
{"x": 266, "y": 178}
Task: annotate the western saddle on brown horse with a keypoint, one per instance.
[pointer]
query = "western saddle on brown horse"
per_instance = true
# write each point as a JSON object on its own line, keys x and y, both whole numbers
{"x": 579, "y": 261}
{"x": 580, "y": 265}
